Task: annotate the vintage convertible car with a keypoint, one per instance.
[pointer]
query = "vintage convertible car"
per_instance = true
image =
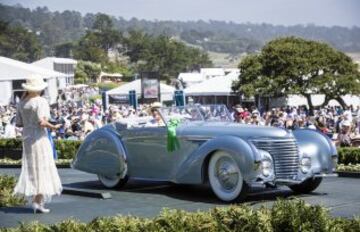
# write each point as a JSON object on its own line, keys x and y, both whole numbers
{"x": 231, "y": 157}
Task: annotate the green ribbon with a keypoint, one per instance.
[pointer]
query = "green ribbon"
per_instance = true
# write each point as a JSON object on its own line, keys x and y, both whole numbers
{"x": 172, "y": 140}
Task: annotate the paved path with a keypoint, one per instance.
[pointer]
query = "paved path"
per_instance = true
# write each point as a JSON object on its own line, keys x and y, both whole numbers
{"x": 145, "y": 199}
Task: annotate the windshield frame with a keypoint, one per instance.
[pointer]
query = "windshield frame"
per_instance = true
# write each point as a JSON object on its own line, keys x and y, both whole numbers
{"x": 197, "y": 107}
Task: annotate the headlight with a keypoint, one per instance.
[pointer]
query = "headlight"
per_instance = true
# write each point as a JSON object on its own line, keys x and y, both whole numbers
{"x": 305, "y": 164}
{"x": 266, "y": 167}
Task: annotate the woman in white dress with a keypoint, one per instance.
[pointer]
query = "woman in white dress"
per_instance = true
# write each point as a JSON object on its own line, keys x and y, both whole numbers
{"x": 39, "y": 178}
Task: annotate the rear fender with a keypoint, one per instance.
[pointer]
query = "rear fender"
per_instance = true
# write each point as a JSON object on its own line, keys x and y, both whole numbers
{"x": 103, "y": 153}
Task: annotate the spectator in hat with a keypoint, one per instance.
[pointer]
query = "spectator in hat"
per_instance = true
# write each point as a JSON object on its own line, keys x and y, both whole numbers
{"x": 39, "y": 178}
{"x": 344, "y": 138}
{"x": 156, "y": 120}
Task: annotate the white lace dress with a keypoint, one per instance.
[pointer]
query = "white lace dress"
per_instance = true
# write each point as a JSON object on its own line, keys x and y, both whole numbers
{"x": 38, "y": 172}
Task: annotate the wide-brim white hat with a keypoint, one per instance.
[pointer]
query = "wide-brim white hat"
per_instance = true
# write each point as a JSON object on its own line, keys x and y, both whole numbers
{"x": 34, "y": 84}
{"x": 155, "y": 105}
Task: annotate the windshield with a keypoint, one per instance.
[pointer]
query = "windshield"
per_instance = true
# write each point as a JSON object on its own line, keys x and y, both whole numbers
{"x": 196, "y": 113}
{"x": 215, "y": 112}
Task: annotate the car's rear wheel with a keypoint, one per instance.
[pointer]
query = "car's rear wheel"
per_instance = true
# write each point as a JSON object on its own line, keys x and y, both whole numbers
{"x": 225, "y": 177}
{"x": 307, "y": 186}
{"x": 112, "y": 181}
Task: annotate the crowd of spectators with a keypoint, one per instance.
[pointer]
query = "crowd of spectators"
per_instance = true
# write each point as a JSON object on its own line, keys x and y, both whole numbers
{"x": 78, "y": 110}
{"x": 341, "y": 125}
{"x": 80, "y": 113}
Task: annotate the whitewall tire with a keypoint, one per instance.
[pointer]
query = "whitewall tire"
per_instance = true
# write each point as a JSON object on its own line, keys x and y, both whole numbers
{"x": 112, "y": 182}
{"x": 225, "y": 177}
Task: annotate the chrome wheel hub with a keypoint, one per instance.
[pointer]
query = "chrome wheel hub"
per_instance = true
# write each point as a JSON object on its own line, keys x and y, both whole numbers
{"x": 227, "y": 173}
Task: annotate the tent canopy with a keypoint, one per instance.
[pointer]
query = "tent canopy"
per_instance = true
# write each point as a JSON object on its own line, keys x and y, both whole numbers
{"x": 166, "y": 91}
{"x": 191, "y": 77}
{"x": 11, "y": 69}
{"x": 217, "y": 86}
{"x": 49, "y": 61}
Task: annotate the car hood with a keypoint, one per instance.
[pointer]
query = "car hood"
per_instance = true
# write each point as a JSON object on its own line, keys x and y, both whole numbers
{"x": 215, "y": 129}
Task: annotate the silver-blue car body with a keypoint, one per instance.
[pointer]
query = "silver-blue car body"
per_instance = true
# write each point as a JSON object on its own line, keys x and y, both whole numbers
{"x": 231, "y": 157}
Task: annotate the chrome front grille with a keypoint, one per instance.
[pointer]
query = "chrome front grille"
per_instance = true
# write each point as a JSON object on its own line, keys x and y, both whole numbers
{"x": 284, "y": 153}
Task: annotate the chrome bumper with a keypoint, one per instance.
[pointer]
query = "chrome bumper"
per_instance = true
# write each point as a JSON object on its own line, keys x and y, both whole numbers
{"x": 326, "y": 175}
{"x": 289, "y": 181}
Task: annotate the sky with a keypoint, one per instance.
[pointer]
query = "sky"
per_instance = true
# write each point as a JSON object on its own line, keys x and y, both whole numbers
{"x": 280, "y": 12}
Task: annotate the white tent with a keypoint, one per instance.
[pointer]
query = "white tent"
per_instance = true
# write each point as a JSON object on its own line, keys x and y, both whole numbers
{"x": 217, "y": 86}
{"x": 166, "y": 91}
{"x": 62, "y": 65}
{"x": 191, "y": 78}
{"x": 209, "y": 73}
{"x": 12, "y": 70}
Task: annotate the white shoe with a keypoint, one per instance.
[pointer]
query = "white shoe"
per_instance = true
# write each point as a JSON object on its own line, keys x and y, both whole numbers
{"x": 35, "y": 207}
{"x": 39, "y": 208}
{"x": 43, "y": 210}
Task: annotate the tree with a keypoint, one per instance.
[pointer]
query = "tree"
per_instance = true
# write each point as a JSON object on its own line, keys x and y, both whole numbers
{"x": 89, "y": 49}
{"x": 64, "y": 50}
{"x": 163, "y": 54}
{"x": 297, "y": 66}
{"x": 87, "y": 72}
{"x": 18, "y": 43}
{"x": 96, "y": 43}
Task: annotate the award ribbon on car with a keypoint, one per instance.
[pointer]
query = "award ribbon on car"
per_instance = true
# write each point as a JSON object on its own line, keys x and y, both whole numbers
{"x": 172, "y": 140}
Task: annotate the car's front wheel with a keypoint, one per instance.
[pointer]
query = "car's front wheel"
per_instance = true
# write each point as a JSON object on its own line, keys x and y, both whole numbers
{"x": 112, "y": 181}
{"x": 225, "y": 177}
{"x": 307, "y": 186}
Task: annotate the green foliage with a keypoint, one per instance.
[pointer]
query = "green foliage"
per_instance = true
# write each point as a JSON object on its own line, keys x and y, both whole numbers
{"x": 348, "y": 168}
{"x": 94, "y": 46}
{"x": 296, "y": 66}
{"x": 7, "y": 184}
{"x": 87, "y": 72}
{"x": 18, "y": 162}
{"x": 89, "y": 49}
{"x": 298, "y": 216}
{"x": 66, "y": 149}
{"x": 285, "y": 215}
{"x": 64, "y": 50}
{"x": 92, "y": 99}
{"x": 10, "y": 144}
{"x": 349, "y": 155}
{"x": 106, "y": 86}
{"x": 60, "y": 27}
{"x": 163, "y": 54}
{"x": 117, "y": 67}
{"x": 18, "y": 43}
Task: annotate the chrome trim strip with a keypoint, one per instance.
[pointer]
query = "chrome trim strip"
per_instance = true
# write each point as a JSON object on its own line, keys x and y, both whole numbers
{"x": 196, "y": 138}
{"x": 272, "y": 140}
{"x": 287, "y": 181}
{"x": 326, "y": 175}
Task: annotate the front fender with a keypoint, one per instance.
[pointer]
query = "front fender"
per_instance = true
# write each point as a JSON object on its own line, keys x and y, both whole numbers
{"x": 192, "y": 169}
{"x": 319, "y": 147}
{"x": 103, "y": 153}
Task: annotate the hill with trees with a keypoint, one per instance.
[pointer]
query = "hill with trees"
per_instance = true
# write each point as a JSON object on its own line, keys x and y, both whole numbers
{"x": 57, "y": 30}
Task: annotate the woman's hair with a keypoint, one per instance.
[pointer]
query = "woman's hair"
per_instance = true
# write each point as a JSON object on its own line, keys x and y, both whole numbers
{"x": 26, "y": 93}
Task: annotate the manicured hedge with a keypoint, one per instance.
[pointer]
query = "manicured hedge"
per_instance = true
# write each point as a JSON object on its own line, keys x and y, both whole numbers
{"x": 349, "y": 155}
{"x": 65, "y": 149}
{"x": 348, "y": 168}
{"x": 284, "y": 216}
{"x": 7, "y": 184}
{"x": 18, "y": 162}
